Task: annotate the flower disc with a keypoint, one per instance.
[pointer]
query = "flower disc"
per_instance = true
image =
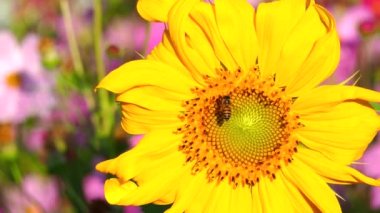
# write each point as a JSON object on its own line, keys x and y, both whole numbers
{"x": 239, "y": 131}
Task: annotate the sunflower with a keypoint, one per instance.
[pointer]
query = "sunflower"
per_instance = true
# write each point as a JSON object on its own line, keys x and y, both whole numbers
{"x": 233, "y": 113}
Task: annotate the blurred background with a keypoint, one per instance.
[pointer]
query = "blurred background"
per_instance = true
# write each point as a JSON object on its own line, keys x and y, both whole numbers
{"x": 54, "y": 128}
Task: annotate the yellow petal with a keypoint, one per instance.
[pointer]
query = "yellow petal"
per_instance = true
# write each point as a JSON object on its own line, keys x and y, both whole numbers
{"x": 154, "y": 170}
{"x": 139, "y": 120}
{"x": 337, "y": 121}
{"x": 193, "y": 191}
{"x": 297, "y": 199}
{"x": 165, "y": 53}
{"x": 342, "y": 133}
{"x": 147, "y": 72}
{"x": 322, "y": 60}
{"x": 332, "y": 171}
{"x": 117, "y": 190}
{"x": 131, "y": 163}
{"x": 157, "y": 188}
{"x": 324, "y": 97}
{"x": 201, "y": 47}
{"x": 152, "y": 93}
{"x": 274, "y": 192}
{"x": 257, "y": 206}
{"x": 274, "y": 24}
{"x": 241, "y": 200}
{"x": 203, "y": 198}
{"x": 312, "y": 186}
{"x": 154, "y": 98}
{"x": 190, "y": 43}
{"x": 299, "y": 47}
{"x": 220, "y": 201}
{"x": 154, "y": 10}
{"x": 235, "y": 20}
{"x": 159, "y": 182}
{"x": 204, "y": 15}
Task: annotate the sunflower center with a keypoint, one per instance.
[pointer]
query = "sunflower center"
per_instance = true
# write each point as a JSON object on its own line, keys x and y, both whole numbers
{"x": 238, "y": 128}
{"x": 252, "y": 131}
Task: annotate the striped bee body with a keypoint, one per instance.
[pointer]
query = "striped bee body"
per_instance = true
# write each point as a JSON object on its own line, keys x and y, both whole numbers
{"x": 223, "y": 109}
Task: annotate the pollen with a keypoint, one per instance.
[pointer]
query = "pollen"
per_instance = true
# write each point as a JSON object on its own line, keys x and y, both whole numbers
{"x": 7, "y": 134}
{"x": 14, "y": 80}
{"x": 238, "y": 128}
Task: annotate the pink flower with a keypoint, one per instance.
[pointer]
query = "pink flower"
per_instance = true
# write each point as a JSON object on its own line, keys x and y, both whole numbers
{"x": 93, "y": 187}
{"x": 134, "y": 140}
{"x": 132, "y": 209}
{"x": 371, "y": 159}
{"x": 155, "y": 37}
{"x": 35, "y": 140}
{"x": 348, "y": 24}
{"x": 375, "y": 197}
{"x": 36, "y": 194}
{"x": 348, "y": 63}
{"x": 15, "y": 201}
{"x": 127, "y": 34}
{"x": 25, "y": 86}
{"x": 374, "y": 5}
{"x": 42, "y": 190}
{"x": 371, "y": 167}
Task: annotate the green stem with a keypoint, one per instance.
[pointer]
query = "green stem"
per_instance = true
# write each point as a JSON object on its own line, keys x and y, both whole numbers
{"x": 16, "y": 172}
{"x": 98, "y": 39}
{"x": 105, "y": 119}
{"x": 74, "y": 50}
{"x": 76, "y": 198}
{"x": 70, "y": 34}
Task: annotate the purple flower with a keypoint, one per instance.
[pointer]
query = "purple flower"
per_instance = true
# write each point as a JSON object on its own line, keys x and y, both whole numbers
{"x": 25, "y": 86}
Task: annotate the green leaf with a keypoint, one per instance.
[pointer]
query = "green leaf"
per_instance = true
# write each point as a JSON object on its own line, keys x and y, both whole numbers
{"x": 376, "y": 106}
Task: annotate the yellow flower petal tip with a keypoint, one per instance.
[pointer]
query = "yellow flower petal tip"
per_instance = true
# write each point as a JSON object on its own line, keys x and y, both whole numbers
{"x": 116, "y": 191}
{"x": 113, "y": 191}
{"x": 154, "y": 10}
{"x": 232, "y": 111}
{"x": 106, "y": 166}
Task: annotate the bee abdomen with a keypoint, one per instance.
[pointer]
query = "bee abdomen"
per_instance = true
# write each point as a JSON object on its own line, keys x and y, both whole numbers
{"x": 227, "y": 114}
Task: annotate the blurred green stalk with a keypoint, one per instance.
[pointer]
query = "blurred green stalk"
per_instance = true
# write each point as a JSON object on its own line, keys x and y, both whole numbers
{"x": 74, "y": 50}
{"x": 70, "y": 34}
{"x": 105, "y": 118}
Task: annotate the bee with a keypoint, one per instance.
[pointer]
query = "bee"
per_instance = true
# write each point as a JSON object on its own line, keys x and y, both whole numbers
{"x": 223, "y": 109}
